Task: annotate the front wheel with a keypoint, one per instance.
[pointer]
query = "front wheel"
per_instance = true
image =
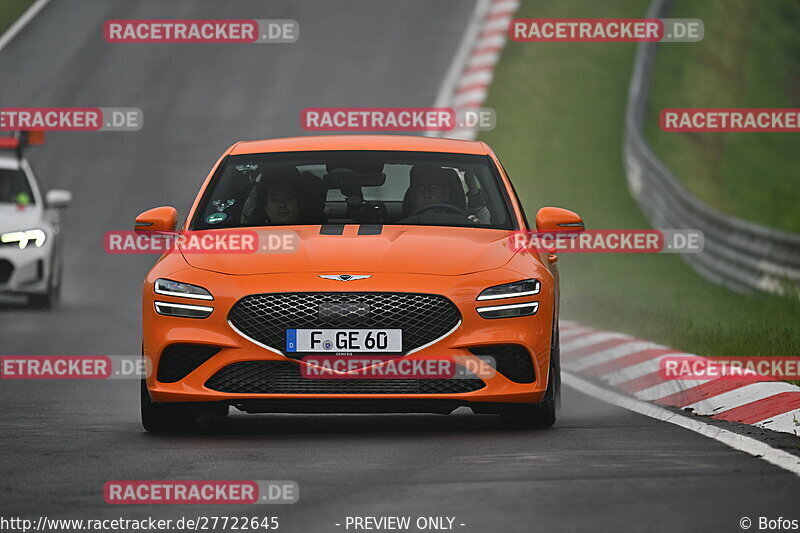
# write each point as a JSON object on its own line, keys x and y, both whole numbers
{"x": 49, "y": 299}
{"x": 534, "y": 416}
{"x": 542, "y": 414}
{"x": 163, "y": 418}
{"x": 42, "y": 301}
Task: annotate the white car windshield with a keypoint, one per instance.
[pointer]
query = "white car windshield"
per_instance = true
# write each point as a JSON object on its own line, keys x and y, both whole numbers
{"x": 14, "y": 187}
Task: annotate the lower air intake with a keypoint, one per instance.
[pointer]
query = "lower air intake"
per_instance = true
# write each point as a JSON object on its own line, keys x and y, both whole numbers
{"x": 513, "y": 361}
{"x": 179, "y": 360}
{"x": 284, "y": 377}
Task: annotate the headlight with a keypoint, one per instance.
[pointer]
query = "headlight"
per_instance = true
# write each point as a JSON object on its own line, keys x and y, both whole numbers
{"x": 23, "y": 238}
{"x": 509, "y": 310}
{"x": 167, "y": 287}
{"x": 525, "y": 287}
{"x": 183, "y": 310}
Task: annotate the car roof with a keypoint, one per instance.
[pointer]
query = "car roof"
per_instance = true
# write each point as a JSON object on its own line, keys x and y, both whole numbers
{"x": 404, "y": 143}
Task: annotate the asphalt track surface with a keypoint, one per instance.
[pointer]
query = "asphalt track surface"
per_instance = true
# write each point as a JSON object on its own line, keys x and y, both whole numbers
{"x": 601, "y": 468}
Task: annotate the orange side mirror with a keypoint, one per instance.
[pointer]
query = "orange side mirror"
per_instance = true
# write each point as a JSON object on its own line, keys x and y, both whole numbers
{"x": 556, "y": 219}
{"x": 157, "y": 219}
{"x": 550, "y": 219}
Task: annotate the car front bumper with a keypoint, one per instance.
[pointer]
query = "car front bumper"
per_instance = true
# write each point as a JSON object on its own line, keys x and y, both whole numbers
{"x": 25, "y": 271}
{"x": 159, "y": 332}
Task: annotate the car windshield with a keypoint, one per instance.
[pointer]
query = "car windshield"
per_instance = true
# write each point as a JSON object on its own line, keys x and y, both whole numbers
{"x": 355, "y": 187}
{"x": 14, "y": 187}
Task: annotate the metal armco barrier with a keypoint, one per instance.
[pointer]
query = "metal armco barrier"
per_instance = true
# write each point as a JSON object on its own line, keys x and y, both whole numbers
{"x": 739, "y": 254}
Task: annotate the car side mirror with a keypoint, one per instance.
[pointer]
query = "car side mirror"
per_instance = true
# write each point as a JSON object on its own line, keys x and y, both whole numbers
{"x": 549, "y": 219}
{"x": 157, "y": 219}
{"x": 555, "y": 219}
{"x": 58, "y": 198}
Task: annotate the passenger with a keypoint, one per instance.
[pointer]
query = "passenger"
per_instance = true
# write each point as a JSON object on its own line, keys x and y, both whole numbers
{"x": 283, "y": 203}
{"x": 276, "y": 202}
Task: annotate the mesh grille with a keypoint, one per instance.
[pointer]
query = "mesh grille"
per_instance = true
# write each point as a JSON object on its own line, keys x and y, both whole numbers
{"x": 284, "y": 377}
{"x": 266, "y": 317}
{"x": 513, "y": 361}
{"x": 179, "y": 360}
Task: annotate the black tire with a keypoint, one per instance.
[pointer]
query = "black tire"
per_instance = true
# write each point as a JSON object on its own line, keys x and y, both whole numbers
{"x": 46, "y": 300}
{"x": 543, "y": 414}
{"x": 165, "y": 418}
{"x": 49, "y": 299}
{"x": 42, "y": 301}
{"x": 533, "y": 416}
{"x": 555, "y": 354}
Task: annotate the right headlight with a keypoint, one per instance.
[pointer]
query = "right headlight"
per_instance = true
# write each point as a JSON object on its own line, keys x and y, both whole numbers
{"x": 509, "y": 310}
{"x": 167, "y": 287}
{"x": 24, "y": 238}
{"x": 183, "y": 310}
{"x": 526, "y": 287}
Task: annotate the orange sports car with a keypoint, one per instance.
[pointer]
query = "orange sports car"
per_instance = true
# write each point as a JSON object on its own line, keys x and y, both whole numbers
{"x": 395, "y": 250}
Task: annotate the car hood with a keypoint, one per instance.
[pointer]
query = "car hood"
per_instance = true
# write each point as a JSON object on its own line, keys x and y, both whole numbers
{"x": 402, "y": 249}
{"x": 19, "y": 218}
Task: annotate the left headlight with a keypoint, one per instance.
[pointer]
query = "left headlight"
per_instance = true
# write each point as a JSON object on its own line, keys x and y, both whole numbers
{"x": 167, "y": 287}
{"x": 526, "y": 287}
{"x": 35, "y": 237}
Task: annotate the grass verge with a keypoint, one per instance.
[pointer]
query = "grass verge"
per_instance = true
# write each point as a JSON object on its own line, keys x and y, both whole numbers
{"x": 749, "y": 57}
{"x": 560, "y": 110}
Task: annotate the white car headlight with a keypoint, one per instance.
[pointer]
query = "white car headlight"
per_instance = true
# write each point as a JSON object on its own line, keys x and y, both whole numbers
{"x": 526, "y": 287}
{"x": 167, "y": 287}
{"x": 509, "y": 310}
{"x": 36, "y": 237}
{"x": 183, "y": 310}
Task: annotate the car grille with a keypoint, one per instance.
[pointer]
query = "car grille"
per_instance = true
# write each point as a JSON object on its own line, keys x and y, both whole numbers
{"x": 6, "y": 269}
{"x": 179, "y": 360}
{"x": 265, "y": 318}
{"x": 285, "y": 377}
{"x": 513, "y": 361}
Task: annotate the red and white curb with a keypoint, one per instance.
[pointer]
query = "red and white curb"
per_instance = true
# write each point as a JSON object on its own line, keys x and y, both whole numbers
{"x": 631, "y": 366}
{"x": 470, "y": 75}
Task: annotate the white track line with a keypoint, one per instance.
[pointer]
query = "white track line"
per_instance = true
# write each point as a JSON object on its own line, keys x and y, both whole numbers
{"x": 749, "y": 445}
{"x": 21, "y": 22}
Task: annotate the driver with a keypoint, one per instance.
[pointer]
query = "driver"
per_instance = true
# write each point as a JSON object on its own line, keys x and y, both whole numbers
{"x": 429, "y": 186}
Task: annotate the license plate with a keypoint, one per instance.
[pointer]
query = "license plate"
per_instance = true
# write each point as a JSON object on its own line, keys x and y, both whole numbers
{"x": 344, "y": 340}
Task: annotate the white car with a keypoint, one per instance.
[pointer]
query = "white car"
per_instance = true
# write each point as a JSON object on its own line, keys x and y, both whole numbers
{"x": 30, "y": 259}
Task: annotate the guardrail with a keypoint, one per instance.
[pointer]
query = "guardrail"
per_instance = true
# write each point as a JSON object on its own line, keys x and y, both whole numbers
{"x": 739, "y": 254}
